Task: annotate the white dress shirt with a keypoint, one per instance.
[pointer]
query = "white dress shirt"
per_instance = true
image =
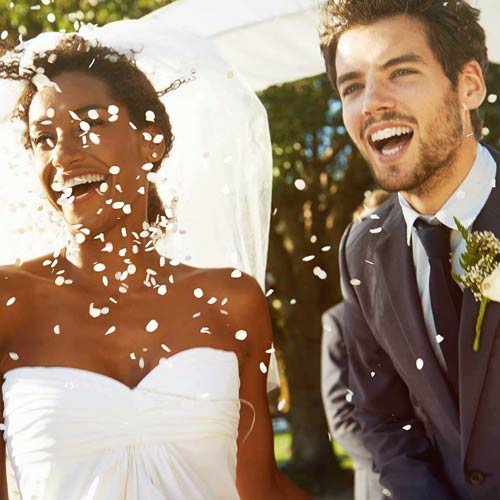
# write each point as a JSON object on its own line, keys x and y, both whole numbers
{"x": 465, "y": 204}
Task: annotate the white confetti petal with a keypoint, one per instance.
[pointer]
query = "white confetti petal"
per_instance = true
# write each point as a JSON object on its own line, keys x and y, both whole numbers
{"x": 162, "y": 290}
{"x": 14, "y": 356}
{"x": 241, "y": 335}
{"x": 439, "y": 338}
{"x": 115, "y": 169}
{"x": 10, "y": 301}
{"x": 152, "y": 326}
{"x": 308, "y": 258}
{"x": 263, "y": 367}
{"x": 376, "y": 230}
{"x": 59, "y": 281}
{"x": 355, "y": 282}
{"x": 198, "y": 293}
{"x": 349, "y": 396}
{"x": 57, "y": 329}
{"x": 419, "y": 363}
{"x": 166, "y": 348}
{"x": 407, "y": 427}
{"x": 236, "y": 274}
{"x": 212, "y": 300}
{"x": 95, "y": 312}
{"x": 300, "y": 184}
{"x": 110, "y": 330}
{"x": 99, "y": 267}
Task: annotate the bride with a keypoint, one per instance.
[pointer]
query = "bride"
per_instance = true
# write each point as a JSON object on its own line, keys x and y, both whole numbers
{"x": 127, "y": 375}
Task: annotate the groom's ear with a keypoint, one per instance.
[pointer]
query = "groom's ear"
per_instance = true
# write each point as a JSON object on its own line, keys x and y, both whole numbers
{"x": 471, "y": 86}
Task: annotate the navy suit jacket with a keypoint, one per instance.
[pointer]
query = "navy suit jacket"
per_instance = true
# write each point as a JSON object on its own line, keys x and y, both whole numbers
{"x": 422, "y": 445}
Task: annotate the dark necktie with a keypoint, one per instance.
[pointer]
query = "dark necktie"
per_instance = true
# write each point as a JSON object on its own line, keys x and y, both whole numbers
{"x": 446, "y": 295}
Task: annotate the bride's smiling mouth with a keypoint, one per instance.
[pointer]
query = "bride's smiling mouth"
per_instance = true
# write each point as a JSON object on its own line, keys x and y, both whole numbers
{"x": 79, "y": 187}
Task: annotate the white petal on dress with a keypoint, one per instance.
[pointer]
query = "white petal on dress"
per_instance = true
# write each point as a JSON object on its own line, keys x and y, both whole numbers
{"x": 78, "y": 435}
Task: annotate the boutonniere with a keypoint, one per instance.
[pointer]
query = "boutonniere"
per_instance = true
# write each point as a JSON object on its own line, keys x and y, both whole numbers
{"x": 482, "y": 271}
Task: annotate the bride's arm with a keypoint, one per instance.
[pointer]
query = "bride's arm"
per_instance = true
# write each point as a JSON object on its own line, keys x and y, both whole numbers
{"x": 258, "y": 476}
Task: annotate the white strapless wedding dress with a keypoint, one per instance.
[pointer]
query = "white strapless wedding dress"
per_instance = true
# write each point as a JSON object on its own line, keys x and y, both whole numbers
{"x": 74, "y": 434}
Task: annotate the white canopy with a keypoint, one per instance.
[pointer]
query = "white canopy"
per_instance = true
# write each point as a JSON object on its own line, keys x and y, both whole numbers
{"x": 275, "y": 41}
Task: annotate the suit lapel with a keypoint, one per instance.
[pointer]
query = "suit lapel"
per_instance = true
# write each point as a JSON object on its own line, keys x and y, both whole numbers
{"x": 397, "y": 274}
{"x": 473, "y": 365}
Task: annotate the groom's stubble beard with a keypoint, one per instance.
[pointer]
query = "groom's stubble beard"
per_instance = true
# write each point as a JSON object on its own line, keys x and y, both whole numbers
{"x": 436, "y": 155}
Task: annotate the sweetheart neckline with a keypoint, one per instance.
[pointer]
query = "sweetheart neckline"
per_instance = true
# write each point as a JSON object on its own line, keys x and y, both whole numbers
{"x": 119, "y": 382}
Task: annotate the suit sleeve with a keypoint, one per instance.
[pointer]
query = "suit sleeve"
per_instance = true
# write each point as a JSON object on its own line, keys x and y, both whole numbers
{"x": 334, "y": 389}
{"x": 404, "y": 457}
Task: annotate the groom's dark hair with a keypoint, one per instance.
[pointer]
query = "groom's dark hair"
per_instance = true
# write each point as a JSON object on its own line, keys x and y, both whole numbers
{"x": 453, "y": 32}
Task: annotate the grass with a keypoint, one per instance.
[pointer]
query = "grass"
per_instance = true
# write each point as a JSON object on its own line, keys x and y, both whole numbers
{"x": 283, "y": 452}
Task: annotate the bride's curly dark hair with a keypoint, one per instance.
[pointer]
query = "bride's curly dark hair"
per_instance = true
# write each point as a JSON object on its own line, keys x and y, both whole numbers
{"x": 126, "y": 82}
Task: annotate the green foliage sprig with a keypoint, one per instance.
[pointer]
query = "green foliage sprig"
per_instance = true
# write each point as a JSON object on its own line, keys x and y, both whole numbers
{"x": 478, "y": 261}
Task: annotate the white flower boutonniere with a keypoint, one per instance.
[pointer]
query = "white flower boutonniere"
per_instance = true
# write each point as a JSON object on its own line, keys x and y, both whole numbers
{"x": 482, "y": 271}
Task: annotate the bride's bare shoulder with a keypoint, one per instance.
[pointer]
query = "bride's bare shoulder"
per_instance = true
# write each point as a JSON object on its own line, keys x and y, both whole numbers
{"x": 21, "y": 277}
{"x": 223, "y": 282}
{"x": 237, "y": 294}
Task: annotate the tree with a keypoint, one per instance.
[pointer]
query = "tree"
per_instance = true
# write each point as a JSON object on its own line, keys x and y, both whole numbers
{"x": 27, "y": 19}
{"x": 319, "y": 179}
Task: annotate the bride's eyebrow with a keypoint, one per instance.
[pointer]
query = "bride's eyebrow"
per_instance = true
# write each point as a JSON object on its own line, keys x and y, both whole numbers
{"x": 89, "y": 107}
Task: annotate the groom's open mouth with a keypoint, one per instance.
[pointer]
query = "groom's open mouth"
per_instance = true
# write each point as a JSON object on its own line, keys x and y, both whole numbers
{"x": 390, "y": 143}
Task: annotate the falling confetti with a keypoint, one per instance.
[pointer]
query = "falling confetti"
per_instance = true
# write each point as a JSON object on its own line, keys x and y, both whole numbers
{"x": 57, "y": 329}
{"x": 320, "y": 273}
{"x": 407, "y": 427}
{"x": 439, "y": 338}
{"x": 376, "y": 230}
{"x": 114, "y": 170}
{"x": 10, "y": 301}
{"x": 355, "y": 282}
{"x": 166, "y": 348}
{"x": 212, "y": 300}
{"x": 308, "y": 258}
{"x": 14, "y": 356}
{"x": 236, "y": 274}
{"x": 241, "y": 335}
{"x": 152, "y": 326}
{"x": 99, "y": 267}
{"x": 162, "y": 290}
{"x": 419, "y": 363}
{"x": 95, "y": 312}
{"x": 300, "y": 184}
{"x": 198, "y": 293}
{"x": 281, "y": 404}
{"x": 263, "y": 367}
{"x": 349, "y": 396}
{"x": 110, "y": 330}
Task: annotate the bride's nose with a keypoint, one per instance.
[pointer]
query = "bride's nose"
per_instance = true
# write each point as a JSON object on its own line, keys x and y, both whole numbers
{"x": 67, "y": 151}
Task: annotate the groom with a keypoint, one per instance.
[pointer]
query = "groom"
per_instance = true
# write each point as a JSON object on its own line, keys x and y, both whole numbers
{"x": 410, "y": 74}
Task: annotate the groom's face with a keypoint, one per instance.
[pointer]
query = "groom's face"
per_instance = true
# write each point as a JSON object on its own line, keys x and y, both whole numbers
{"x": 399, "y": 107}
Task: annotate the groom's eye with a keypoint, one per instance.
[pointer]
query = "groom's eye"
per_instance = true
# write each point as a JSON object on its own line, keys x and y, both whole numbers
{"x": 402, "y": 72}
{"x": 350, "y": 89}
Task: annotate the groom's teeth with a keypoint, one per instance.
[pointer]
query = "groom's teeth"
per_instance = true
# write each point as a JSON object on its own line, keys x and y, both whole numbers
{"x": 387, "y": 133}
{"x": 393, "y": 151}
